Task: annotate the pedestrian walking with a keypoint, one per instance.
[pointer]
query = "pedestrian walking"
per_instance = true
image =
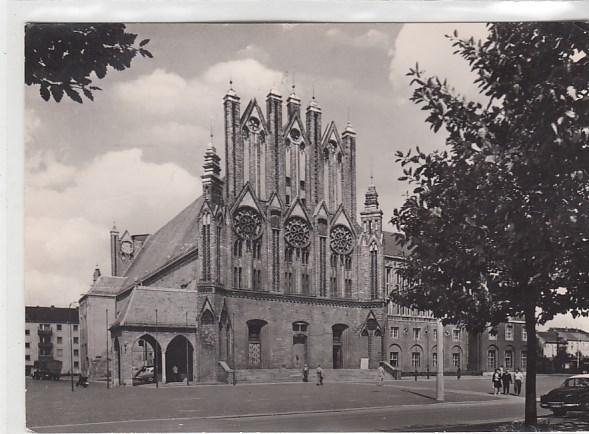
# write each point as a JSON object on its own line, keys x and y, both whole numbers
{"x": 380, "y": 374}
{"x": 496, "y": 379}
{"x": 458, "y": 373}
{"x": 506, "y": 380}
{"x": 415, "y": 373}
{"x": 175, "y": 372}
{"x": 320, "y": 376}
{"x": 305, "y": 373}
{"x": 518, "y": 378}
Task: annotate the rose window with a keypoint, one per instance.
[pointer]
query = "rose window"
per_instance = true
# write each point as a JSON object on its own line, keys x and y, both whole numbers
{"x": 247, "y": 223}
{"x": 254, "y": 124}
{"x": 297, "y": 232}
{"x": 341, "y": 240}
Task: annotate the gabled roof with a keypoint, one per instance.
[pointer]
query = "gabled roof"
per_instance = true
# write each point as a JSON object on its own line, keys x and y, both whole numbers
{"x": 549, "y": 337}
{"x": 392, "y": 247}
{"x": 174, "y": 239}
{"x": 331, "y": 133}
{"x": 107, "y": 285}
{"x": 295, "y": 119}
{"x": 297, "y": 209}
{"x": 252, "y": 107}
{"x": 247, "y": 197}
{"x": 570, "y": 334}
{"x": 43, "y": 314}
{"x": 172, "y": 306}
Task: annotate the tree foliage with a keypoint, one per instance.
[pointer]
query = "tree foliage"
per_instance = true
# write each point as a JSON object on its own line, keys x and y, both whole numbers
{"x": 498, "y": 222}
{"x": 61, "y": 58}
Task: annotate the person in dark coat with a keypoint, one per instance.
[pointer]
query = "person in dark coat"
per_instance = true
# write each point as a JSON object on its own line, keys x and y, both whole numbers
{"x": 496, "y": 379}
{"x": 506, "y": 380}
{"x": 305, "y": 373}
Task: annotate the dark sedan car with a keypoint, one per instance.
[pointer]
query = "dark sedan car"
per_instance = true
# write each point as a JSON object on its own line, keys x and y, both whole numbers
{"x": 573, "y": 394}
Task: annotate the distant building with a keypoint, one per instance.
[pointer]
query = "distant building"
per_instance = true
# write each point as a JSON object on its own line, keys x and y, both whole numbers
{"x": 52, "y": 333}
{"x": 506, "y": 346}
{"x": 574, "y": 340}
{"x": 412, "y": 333}
{"x": 97, "y": 311}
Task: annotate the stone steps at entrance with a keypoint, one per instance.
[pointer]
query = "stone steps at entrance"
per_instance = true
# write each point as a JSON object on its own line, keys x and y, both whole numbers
{"x": 295, "y": 375}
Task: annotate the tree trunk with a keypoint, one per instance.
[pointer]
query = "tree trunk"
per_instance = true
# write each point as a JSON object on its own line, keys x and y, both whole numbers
{"x": 531, "y": 406}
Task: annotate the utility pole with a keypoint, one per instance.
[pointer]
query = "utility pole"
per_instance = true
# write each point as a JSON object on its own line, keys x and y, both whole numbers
{"x": 107, "y": 356}
{"x": 233, "y": 346}
{"x": 71, "y": 348}
{"x": 187, "y": 370}
{"x": 579, "y": 355}
{"x": 156, "y": 353}
{"x": 440, "y": 375}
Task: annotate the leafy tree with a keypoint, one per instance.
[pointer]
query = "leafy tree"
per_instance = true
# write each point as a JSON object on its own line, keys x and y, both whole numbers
{"x": 61, "y": 58}
{"x": 498, "y": 222}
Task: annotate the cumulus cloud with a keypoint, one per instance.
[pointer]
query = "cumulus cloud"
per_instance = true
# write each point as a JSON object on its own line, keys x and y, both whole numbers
{"x": 168, "y": 96}
{"x": 254, "y": 52}
{"x": 427, "y": 45}
{"x": 371, "y": 39}
{"x": 43, "y": 170}
{"x": 66, "y": 231}
{"x": 32, "y": 124}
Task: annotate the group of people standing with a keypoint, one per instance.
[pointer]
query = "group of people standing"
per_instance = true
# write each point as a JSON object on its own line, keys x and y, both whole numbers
{"x": 320, "y": 374}
{"x": 502, "y": 380}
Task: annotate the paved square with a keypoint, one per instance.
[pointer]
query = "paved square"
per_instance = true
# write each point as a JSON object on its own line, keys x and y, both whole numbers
{"x": 51, "y": 406}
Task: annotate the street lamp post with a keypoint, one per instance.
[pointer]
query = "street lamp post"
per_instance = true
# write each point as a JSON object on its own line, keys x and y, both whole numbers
{"x": 156, "y": 353}
{"x": 187, "y": 370}
{"x": 107, "y": 355}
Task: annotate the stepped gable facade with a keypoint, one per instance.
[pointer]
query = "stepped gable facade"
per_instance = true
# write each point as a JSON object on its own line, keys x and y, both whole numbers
{"x": 268, "y": 269}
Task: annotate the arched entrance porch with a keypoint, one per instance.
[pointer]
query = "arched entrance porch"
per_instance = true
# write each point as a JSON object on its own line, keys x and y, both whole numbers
{"x": 145, "y": 352}
{"x": 179, "y": 355}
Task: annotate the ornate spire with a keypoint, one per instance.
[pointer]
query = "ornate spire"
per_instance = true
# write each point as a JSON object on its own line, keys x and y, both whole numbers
{"x": 371, "y": 198}
{"x": 211, "y": 165}
{"x": 114, "y": 228}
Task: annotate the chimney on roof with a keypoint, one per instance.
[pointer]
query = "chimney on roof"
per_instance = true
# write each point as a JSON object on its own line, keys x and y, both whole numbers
{"x": 96, "y": 274}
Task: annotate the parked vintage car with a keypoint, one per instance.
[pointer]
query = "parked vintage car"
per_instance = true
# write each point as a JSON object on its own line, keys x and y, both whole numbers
{"x": 145, "y": 375}
{"x": 573, "y": 394}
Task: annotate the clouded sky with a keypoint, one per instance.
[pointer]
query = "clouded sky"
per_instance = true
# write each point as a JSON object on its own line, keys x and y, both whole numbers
{"x": 134, "y": 156}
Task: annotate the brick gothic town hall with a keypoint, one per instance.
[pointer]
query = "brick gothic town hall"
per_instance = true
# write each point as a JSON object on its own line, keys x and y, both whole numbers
{"x": 267, "y": 270}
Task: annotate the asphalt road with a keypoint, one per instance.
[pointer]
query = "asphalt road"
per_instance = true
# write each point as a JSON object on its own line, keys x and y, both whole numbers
{"x": 344, "y": 407}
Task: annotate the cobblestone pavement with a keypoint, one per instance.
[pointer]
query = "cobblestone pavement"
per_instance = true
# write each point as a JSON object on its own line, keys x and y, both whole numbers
{"x": 53, "y": 404}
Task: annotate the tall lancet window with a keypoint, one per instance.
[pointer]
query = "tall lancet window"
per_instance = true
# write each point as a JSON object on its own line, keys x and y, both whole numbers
{"x": 254, "y": 151}
{"x": 206, "y": 247}
{"x": 302, "y": 171}
{"x": 289, "y": 174}
{"x": 373, "y": 271}
{"x": 326, "y": 177}
{"x": 218, "y": 250}
{"x": 338, "y": 179}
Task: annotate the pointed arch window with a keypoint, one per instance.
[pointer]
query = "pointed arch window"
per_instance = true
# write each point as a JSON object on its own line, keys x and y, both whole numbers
{"x": 206, "y": 244}
{"x": 238, "y": 248}
{"x": 373, "y": 271}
